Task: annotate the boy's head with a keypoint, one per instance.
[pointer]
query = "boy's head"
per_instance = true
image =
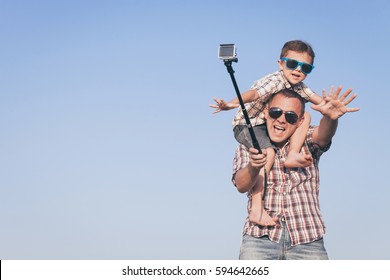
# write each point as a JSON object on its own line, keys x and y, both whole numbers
{"x": 296, "y": 61}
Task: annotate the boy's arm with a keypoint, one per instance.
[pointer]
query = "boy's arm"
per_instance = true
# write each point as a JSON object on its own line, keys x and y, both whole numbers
{"x": 315, "y": 99}
{"x": 261, "y": 89}
{"x": 307, "y": 93}
{"x": 248, "y": 96}
{"x": 332, "y": 108}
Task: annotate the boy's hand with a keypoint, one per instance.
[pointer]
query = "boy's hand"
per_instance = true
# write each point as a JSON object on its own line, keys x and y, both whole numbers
{"x": 221, "y": 105}
{"x": 333, "y": 106}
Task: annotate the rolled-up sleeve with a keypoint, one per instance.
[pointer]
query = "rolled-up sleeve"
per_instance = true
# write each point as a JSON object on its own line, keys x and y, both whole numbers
{"x": 241, "y": 160}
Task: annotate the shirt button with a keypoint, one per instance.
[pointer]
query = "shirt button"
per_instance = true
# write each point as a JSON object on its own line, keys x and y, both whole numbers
{"x": 284, "y": 193}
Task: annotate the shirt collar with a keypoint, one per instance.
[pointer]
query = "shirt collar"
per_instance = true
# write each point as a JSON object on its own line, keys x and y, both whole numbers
{"x": 286, "y": 83}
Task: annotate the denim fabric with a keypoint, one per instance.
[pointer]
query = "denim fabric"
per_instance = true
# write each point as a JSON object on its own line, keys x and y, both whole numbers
{"x": 253, "y": 248}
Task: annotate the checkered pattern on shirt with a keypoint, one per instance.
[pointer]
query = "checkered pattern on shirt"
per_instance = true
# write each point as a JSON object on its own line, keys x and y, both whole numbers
{"x": 266, "y": 87}
{"x": 291, "y": 193}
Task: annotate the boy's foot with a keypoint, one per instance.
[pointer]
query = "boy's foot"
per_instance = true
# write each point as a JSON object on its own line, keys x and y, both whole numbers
{"x": 297, "y": 160}
{"x": 261, "y": 217}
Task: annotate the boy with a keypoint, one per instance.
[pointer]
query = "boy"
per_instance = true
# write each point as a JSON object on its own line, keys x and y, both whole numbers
{"x": 295, "y": 63}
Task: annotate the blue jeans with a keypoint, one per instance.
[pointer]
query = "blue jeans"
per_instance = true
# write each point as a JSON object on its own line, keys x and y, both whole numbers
{"x": 253, "y": 248}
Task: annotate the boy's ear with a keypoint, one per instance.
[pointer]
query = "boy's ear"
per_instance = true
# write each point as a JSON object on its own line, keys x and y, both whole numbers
{"x": 280, "y": 64}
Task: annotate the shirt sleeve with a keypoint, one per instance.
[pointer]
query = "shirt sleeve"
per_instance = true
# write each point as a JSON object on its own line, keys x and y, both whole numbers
{"x": 304, "y": 91}
{"x": 315, "y": 149}
{"x": 241, "y": 160}
{"x": 269, "y": 85}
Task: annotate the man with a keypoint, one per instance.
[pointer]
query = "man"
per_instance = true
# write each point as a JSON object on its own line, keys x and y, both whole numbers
{"x": 292, "y": 195}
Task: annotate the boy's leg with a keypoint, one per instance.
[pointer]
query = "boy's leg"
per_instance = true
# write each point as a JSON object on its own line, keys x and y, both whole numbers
{"x": 295, "y": 158}
{"x": 257, "y": 213}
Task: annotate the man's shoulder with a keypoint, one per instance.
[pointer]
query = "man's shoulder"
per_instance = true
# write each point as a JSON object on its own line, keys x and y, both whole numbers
{"x": 310, "y": 133}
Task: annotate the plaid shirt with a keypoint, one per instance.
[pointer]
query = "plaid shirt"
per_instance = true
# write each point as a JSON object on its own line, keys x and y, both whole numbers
{"x": 266, "y": 87}
{"x": 291, "y": 194}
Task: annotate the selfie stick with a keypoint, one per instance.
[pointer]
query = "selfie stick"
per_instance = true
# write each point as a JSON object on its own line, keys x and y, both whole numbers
{"x": 228, "y": 64}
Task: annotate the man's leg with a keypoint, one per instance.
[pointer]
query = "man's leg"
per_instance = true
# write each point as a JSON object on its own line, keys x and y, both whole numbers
{"x": 253, "y": 248}
{"x": 310, "y": 251}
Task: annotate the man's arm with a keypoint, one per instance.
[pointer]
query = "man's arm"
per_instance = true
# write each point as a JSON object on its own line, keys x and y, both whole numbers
{"x": 332, "y": 108}
{"x": 246, "y": 177}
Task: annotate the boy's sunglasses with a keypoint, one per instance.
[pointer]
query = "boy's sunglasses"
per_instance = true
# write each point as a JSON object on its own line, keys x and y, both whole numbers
{"x": 293, "y": 64}
{"x": 275, "y": 113}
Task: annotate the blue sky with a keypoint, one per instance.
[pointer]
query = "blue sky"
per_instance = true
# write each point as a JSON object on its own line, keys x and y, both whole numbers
{"x": 108, "y": 147}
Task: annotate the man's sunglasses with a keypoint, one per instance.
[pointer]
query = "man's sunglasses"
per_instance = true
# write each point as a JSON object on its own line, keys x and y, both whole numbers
{"x": 275, "y": 113}
{"x": 293, "y": 64}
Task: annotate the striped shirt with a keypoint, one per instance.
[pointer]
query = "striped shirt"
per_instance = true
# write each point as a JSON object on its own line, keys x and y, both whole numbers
{"x": 266, "y": 87}
{"x": 292, "y": 194}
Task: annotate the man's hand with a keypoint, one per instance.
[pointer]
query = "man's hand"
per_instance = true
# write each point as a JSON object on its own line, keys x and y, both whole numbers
{"x": 333, "y": 106}
{"x": 247, "y": 177}
{"x": 221, "y": 105}
{"x": 257, "y": 160}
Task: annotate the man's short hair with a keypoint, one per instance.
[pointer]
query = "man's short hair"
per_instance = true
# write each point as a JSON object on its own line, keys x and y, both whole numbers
{"x": 290, "y": 94}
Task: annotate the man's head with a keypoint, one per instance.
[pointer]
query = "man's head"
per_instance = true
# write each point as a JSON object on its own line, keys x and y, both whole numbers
{"x": 284, "y": 114}
{"x": 296, "y": 61}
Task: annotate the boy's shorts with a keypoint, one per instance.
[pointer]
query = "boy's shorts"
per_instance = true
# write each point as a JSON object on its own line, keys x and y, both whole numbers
{"x": 242, "y": 135}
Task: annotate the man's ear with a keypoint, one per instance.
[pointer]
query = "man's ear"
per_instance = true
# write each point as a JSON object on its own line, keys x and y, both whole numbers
{"x": 301, "y": 119}
{"x": 266, "y": 112}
